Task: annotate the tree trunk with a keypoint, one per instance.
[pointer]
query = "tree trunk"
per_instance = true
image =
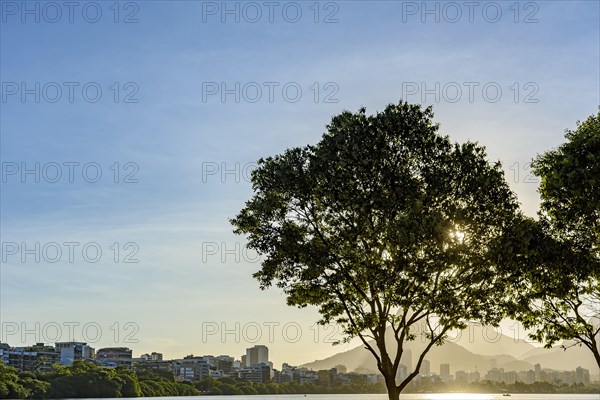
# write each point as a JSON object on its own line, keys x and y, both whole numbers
{"x": 390, "y": 383}
{"x": 596, "y": 354}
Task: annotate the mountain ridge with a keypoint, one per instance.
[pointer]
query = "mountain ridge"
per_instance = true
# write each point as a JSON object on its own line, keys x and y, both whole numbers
{"x": 476, "y": 348}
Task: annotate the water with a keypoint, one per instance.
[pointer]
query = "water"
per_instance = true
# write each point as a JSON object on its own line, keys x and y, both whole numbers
{"x": 433, "y": 396}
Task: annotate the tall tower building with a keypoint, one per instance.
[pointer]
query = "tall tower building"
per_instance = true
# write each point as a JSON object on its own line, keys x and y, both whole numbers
{"x": 257, "y": 355}
{"x": 425, "y": 369}
{"x": 406, "y": 359}
{"x": 444, "y": 370}
{"x": 401, "y": 374}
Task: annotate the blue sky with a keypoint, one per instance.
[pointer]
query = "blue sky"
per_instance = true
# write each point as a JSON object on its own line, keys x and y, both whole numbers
{"x": 376, "y": 53}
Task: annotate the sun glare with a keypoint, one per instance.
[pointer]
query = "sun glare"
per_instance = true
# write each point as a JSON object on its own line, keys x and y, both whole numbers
{"x": 458, "y": 234}
{"x": 459, "y": 396}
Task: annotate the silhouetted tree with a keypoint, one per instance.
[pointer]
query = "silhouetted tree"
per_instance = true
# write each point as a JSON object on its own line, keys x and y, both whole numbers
{"x": 560, "y": 296}
{"x": 385, "y": 225}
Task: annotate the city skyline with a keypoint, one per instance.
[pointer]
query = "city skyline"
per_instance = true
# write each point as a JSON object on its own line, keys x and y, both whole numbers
{"x": 258, "y": 355}
{"x": 222, "y": 337}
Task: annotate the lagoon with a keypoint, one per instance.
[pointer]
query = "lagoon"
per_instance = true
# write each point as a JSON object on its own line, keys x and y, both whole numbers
{"x": 430, "y": 396}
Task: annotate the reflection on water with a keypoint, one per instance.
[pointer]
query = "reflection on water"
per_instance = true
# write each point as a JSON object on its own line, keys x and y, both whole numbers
{"x": 459, "y": 396}
{"x": 431, "y": 396}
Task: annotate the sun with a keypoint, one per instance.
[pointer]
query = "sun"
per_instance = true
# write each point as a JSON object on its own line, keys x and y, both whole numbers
{"x": 458, "y": 234}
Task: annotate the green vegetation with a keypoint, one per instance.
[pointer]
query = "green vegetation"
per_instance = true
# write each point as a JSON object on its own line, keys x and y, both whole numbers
{"x": 87, "y": 379}
{"x": 554, "y": 262}
{"x": 13, "y": 386}
{"x": 231, "y": 386}
{"x": 385, "y": 225}
{"x": 559, "y": 293}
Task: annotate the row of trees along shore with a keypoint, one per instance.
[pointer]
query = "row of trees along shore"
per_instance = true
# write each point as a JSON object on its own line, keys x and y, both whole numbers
{"x": 86, "y": 379}
{"x": 386, "y": 226}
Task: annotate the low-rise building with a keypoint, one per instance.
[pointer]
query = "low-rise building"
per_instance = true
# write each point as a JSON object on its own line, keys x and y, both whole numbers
{"x": 474, "y": 376}
{"x": 258, "y": 373}
{"x": 38, "y": 357}
{"x": 341, "y": 369}
{"x": 461, "y": 376}
{"x": 582, "y": 375}
{"x": 113, "y": 357}
{"x": 154, "y": 356}
{"x": 74, "y": 351}
{"x": 527, "y": 377}
{"x": 191, "y": 368}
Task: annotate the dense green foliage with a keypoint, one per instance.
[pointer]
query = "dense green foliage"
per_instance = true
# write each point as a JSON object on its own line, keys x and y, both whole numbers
{"x": 13, "y": 386}
{"x": 559, "y": 290}
{"x": 87, "y": 380}
{"x": 231, "y": 386}
{"x": 384, "y": 225}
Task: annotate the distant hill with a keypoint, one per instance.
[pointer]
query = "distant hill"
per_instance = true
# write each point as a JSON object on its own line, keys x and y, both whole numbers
{"x": 489, "y": 341}
{"x": 557, "y": 358}
{"x": 458, "y": 357}
{"x": 474, "y": 349}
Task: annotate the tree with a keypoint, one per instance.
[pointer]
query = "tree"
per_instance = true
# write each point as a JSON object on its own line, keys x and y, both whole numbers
{"x": 84, "y": 379}
{"x": 11, "y": 386}
{"x": 130, "y": 386}
{"x": 562, "y": 289}
{"x": 386, "y": 226}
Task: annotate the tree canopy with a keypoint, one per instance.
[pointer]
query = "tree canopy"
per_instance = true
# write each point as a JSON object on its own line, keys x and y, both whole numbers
{"x": 386, "y": 226}
{"x": 559, "y": 297}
